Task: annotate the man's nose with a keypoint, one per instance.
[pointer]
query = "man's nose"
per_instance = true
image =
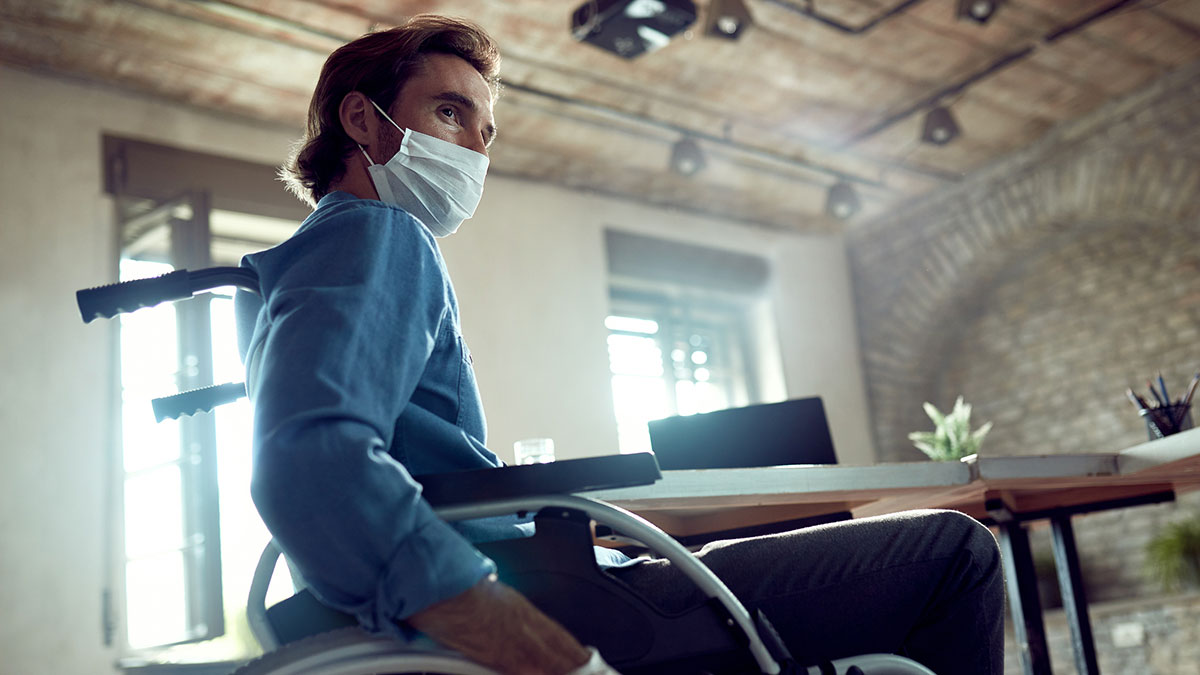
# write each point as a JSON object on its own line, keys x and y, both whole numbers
{"x": 478, "y": 144}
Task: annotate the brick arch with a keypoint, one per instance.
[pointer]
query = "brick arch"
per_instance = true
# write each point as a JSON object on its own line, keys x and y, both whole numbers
{"x": 909, "y": 293}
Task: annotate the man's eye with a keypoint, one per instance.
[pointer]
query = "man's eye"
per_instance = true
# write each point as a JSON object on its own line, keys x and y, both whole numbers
{"x": 449, "y": 113}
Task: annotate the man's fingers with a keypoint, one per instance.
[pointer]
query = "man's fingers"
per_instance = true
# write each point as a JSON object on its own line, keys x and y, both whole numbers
{"x": 594, "y": 666}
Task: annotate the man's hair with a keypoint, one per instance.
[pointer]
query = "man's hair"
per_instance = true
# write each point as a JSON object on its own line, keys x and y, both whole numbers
{"x": 378, "y": 65}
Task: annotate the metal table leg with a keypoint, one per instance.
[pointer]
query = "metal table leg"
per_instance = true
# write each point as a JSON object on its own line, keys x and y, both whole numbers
{"x": 1021, "y": 580}
{"x": 1070, "y": 582}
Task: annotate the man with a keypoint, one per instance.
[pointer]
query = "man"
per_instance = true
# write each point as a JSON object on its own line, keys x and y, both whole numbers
{"x": 361, "y": 380}
{"x": 356, "y": 351}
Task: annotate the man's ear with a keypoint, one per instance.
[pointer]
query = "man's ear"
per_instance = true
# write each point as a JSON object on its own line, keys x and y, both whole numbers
{"x": 355, "y": 114}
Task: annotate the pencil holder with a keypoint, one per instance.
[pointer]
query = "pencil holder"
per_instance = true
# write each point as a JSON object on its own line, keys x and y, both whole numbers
{"x": 1168, "y": 419}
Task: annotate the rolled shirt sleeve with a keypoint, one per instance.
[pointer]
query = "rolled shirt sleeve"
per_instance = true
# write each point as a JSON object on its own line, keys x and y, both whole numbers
{"x": 354, "y": 305}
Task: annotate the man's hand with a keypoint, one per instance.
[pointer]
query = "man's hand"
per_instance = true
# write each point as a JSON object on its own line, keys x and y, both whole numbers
{"x": 494, "y": 625}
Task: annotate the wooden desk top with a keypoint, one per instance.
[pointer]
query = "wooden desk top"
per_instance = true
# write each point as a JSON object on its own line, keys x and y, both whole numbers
{"x": 690, "y": 502}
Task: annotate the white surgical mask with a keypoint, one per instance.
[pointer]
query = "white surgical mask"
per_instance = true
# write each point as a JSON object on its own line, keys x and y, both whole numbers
{"x": 438, "y": 182}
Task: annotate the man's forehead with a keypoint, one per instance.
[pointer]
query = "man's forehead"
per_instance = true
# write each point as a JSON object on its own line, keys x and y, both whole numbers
{"x": 438, "y": 75}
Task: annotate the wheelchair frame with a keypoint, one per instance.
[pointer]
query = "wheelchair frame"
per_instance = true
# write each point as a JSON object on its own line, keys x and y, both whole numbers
{"x": 351, "y": 651}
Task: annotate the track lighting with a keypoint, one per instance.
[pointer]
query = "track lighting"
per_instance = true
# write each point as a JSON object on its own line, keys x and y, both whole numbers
{"x": 687, "y": 159}
{"x": 843, "y": 201}
{"x": 940, "y": 127}
{"x": 726, "y": 19}
{"x": 979, "y": 11}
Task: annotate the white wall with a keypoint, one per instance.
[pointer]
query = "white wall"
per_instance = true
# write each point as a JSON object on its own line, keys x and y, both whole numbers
{"x": 530, "y": 272}
{"x": 814, "y": 310}
{"x": 56, "y": 236}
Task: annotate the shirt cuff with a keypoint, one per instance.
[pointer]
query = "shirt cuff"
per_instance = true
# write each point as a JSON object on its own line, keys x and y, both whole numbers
{"x": 432, "y": 564}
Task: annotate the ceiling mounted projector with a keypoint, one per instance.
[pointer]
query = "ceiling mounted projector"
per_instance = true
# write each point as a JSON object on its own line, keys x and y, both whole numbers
{"x": 630, "y": 28}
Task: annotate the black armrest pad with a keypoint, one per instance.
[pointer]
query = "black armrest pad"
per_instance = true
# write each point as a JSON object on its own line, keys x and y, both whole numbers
{"x": 562, "y": 477}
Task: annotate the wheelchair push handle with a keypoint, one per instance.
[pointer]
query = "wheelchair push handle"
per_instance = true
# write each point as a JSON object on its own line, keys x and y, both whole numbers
{"x": 203, "y": 399}
{"x": 130, "y": 296}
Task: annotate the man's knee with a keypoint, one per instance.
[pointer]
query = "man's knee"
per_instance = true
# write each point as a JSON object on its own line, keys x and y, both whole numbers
{"x": 976, "y": 538}
{"x": 969, "y": 534}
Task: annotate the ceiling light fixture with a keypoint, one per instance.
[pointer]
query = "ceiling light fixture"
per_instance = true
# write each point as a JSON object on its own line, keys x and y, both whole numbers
{"x": 979, "y": 11}
{"x": 687, "y": 159}
{"x": 843, "y": 201}
{"x": 727, "y": 19}
{"x": 940, "y": 127}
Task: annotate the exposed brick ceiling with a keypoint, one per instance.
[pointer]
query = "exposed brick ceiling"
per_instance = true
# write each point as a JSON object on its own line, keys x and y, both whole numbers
{"x": 781, "y": 113}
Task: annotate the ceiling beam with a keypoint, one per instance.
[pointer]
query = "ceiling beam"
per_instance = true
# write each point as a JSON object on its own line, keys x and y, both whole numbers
{"x": 809, "y": 10}
{"x": 1004, "y": 61}
{"x": 239, "y": 10}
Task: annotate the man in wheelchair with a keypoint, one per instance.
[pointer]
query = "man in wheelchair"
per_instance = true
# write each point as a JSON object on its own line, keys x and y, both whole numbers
{"x": 361, "y": 381}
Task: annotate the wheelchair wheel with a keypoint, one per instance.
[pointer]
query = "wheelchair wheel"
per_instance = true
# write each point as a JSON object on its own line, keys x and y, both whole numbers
{"x": 351, "y": 651}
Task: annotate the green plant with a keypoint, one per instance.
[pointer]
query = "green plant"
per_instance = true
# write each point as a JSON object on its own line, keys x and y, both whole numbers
{"x": 952, "y": 437}
{"x": 1173, "y": 556}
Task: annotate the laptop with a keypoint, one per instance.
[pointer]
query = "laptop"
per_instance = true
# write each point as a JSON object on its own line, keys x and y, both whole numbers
{"x": 771, "y": 434}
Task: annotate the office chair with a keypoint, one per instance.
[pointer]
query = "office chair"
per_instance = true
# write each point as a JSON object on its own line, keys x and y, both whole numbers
{"x": 555, "y": 568}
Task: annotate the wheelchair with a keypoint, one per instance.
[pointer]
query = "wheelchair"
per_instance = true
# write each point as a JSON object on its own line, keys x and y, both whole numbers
{"x": 555, "y": 568}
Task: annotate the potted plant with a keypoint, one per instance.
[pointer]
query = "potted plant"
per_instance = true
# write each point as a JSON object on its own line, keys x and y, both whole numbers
{"x": 952, "y": 437}
{"x": 1173, "y": 557}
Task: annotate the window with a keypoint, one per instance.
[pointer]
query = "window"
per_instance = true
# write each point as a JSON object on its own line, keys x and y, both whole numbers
{"x": 192, "y": 535}
{"x": 680, "y": 331}
{"x": 189, "y": 536}
{"x": 674, "y": 358}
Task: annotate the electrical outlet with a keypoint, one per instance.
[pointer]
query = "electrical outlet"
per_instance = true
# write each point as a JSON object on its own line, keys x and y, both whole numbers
{"x": 1129, "y": 634}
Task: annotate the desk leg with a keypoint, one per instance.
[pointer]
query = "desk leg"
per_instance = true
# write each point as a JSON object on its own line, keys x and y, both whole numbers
{"x": 1021, "y": 580}
{"x": 1070, "y": 581}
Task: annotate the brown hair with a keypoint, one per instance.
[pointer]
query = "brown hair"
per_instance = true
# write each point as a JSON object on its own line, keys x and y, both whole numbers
{"x": 378, "y": 65}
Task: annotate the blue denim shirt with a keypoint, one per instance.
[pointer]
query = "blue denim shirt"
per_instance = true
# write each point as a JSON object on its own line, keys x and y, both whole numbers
{"x": 361, "y": 379}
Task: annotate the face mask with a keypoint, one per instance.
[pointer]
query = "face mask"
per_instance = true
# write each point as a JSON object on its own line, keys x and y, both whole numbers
{"x": 438, "y": 182}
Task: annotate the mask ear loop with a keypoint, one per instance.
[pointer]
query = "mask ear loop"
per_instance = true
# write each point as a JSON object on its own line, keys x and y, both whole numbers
{"x": 370, "y": 162}
{"x": 404, "y": 134}
{"x": 388, "y": 117}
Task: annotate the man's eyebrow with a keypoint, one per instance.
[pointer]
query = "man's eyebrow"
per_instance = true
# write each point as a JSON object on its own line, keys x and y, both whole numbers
{"x": 461, "y": 99}
{"x": 470, "y": 104}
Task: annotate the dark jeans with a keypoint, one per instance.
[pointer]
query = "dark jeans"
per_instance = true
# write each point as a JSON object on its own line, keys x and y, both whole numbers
{"x": 923, "y": 584}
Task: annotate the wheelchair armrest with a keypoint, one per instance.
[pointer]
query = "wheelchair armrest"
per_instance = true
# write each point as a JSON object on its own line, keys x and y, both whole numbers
{"x": 562, "y": 477}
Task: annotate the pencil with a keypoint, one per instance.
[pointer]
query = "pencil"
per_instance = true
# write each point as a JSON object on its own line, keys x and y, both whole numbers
{"x": 1133, "y": 398}
{"x": 1155, "y": 393}
{"x": 1187, "y": 399}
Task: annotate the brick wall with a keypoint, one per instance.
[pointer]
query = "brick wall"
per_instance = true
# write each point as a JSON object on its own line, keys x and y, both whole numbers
{"x": 1047, "y": 349}
{"x": 924, "y": 274}
{"x": 1040, "y": 288}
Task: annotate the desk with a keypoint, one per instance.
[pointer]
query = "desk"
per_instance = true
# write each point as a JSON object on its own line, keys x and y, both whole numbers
{"x": 1006, "y": 491}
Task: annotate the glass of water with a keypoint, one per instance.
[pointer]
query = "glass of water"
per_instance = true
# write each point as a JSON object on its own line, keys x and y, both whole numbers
{"x": 534, "y": 451}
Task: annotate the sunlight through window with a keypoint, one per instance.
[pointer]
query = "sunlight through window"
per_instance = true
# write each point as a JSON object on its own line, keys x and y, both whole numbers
{"x": 154, "y": 522}
{"x": 695, "y": 379}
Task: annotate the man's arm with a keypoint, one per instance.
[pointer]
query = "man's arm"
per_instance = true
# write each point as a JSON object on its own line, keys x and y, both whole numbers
{"x": 496, "y": 626}
{"x": 351, "y": 329}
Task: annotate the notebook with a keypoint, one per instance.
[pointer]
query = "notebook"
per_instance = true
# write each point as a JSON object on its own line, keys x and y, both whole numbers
{"x": 771, "y": 434}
